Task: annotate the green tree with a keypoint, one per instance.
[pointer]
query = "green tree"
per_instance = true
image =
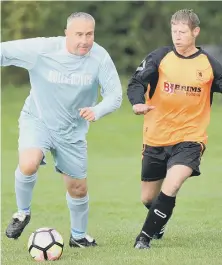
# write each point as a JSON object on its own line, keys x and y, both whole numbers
{"x": 128, "y": 30}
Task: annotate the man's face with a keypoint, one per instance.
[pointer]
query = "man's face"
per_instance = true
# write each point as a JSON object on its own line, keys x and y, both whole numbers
{"x": 80, "y": 36}
{"x": 183, "y": 36}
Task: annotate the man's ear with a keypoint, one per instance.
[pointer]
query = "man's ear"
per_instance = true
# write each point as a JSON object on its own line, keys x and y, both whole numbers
{"x": 196, "y": 31}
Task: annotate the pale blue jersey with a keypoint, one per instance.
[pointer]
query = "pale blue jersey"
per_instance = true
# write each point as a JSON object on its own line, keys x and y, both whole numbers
{"x": 62, "y": 83}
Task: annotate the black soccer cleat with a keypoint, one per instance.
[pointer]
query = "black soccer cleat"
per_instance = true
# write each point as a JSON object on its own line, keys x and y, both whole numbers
{"x": 17, "y": 225}
{"x": 142, "y": 242}
{"x": 85, "y": 242}
{"x": 158, "y": 235}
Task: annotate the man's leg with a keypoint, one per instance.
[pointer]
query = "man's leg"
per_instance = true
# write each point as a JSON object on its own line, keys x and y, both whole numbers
{"x": 162, "y": 208}
{"x": 33, "y": 143}
{"x": 149, "y": 192}
{"x": 154, "y": 167}
{"x": 71, "y": 161}
{"x": 25, "y": 179}
{"x": 184, "y": 162}
{"x": 78, "y": 204}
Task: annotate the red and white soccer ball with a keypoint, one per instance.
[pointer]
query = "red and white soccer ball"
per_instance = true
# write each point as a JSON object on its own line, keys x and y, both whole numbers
{"x": 45, "y": 244}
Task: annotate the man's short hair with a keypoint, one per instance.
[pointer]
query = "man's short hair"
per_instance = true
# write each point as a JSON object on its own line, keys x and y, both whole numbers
{"x": 80, "y": 15}
{"x": 186, "y": 16}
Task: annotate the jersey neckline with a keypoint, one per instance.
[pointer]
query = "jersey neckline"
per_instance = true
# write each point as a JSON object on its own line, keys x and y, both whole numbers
{"x": 190, "y": 56}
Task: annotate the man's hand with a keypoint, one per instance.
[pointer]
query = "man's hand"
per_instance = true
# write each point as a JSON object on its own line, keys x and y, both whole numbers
{"x": 142, "y": 109}
{"x": 87, "y": 113}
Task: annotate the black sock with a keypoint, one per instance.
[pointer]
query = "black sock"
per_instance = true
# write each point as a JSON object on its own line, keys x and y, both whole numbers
{"x": 159, "y": 213}
{"x": 161, "y": 231}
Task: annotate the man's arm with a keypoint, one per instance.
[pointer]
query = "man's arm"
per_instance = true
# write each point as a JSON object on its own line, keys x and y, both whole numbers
{"x": 21, "y": 53}
{"x": 138, "y": 84}
{"x": 217, "y": 72}
{"x": 111, "y": 89}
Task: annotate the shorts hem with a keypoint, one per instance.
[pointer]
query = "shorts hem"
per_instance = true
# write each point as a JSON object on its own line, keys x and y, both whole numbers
{"x": 70, "y": 175}
{"x": 151, "y": 180}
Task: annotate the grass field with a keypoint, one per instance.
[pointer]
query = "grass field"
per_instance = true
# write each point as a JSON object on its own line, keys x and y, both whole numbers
{"x": 194, "y": 235}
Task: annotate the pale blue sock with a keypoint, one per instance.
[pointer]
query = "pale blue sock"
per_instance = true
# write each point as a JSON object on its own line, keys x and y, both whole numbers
{"x": 79, "y": 209}
{"x": 23, "y": 189}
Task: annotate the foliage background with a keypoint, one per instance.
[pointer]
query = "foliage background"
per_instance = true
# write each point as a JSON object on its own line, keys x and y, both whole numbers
{"x": 127, "y": 29}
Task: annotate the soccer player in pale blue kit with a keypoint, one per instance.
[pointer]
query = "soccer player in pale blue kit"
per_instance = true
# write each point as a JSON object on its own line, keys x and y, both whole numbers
{"x": 65, "y": 73}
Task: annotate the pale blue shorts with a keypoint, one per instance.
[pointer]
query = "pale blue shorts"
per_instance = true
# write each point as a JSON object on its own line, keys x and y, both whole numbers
{"x": 69, "y": 158}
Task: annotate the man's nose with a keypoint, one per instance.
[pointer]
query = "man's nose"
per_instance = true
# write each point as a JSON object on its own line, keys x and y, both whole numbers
{"x": 84, "y": 39}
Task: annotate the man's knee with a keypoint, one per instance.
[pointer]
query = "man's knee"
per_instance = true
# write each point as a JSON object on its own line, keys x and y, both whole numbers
{"x": 28, "y": 168}
{"x": 147, "y": 200}
{"x": 29, "y": 161}
{"x": 149, "y": 191}
{"x": 77, "y": 191}
{"x": 77, "y": 188}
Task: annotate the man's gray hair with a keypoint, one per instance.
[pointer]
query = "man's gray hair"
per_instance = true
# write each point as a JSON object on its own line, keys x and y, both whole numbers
{"x": 79, "y": 15}
{"x": 186, "y": 16}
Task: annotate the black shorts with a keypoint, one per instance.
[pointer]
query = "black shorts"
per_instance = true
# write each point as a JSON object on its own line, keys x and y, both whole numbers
{"x": 157, "y": 160}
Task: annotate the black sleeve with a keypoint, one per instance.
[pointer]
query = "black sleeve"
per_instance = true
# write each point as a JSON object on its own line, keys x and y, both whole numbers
{"x": 146, "y": 73}
{"x": 137, "y": 86}
{"x": 217, "y": 71}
